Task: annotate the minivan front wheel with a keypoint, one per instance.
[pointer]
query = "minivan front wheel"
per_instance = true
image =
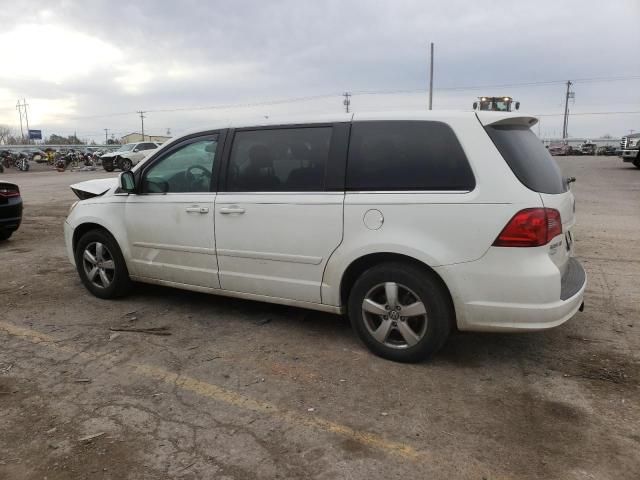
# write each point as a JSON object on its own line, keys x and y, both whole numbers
{"x": 101, "y": 265}
{"x": 400, "y": 312}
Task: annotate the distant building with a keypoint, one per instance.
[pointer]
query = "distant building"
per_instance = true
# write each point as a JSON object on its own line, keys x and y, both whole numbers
{"x": 137, "y": 137}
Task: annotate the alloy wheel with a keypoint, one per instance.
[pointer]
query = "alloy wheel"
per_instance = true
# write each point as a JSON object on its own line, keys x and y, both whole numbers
{"x": 394, "y": 315}
{"x": 98, "y": 264}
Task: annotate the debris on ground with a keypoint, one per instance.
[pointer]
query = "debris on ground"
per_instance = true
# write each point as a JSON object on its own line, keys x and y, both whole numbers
{"x": 88, "y": 438}
{"x": 264, "y": 321}
{"x": 82, "y": 380}
{"x": 149, "y": 330}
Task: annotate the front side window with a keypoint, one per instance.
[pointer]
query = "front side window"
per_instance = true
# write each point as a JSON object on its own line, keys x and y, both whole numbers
{"x": 279, "y": 160}
{"x": 187, "y": 169}
{"x": 147, "y": 146}
{"x": 406, "y": 155}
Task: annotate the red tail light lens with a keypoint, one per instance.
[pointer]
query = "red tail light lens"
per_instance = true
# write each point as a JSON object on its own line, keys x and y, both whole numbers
{"x": 9, "y": 191}
{"x": 531, "y": 227}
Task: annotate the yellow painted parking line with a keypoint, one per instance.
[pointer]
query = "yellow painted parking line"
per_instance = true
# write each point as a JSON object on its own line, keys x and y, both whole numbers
{"x": 223, "y": 395}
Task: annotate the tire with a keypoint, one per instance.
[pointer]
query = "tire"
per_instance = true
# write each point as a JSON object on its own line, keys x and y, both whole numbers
{"x": 107, "y": 164}
{"x": 429, "y": 324}
{"x": 5, "y": 235}
{"x": 126, "y": 164}
{"x": 115, "y": 282}
{"x": 636, "y": 162}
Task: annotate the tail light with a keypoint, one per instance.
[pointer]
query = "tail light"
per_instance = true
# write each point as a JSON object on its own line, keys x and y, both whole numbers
{"x": 7, "y": 190}
{"x": 531, "y": 227}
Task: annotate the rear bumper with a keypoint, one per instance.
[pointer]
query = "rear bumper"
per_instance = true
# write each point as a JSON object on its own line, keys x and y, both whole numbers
{"x": 501, "y": 294}
{"x": 11, "y": 216}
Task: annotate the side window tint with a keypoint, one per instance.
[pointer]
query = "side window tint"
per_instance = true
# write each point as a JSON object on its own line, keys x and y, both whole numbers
{"x": 188, "y": 169}
{"x": 406, "y": 155}
{"x": 279, "y": 160}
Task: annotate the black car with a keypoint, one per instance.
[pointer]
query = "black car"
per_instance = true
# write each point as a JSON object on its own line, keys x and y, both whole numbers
{"x": 10, "y": 209}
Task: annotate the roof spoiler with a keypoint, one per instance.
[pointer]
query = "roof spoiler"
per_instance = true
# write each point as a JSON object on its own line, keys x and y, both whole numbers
{"x": 495, "y": 118}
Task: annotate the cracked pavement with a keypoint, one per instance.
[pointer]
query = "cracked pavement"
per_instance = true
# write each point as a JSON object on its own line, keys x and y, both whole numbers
{"x": 244, "y": 390}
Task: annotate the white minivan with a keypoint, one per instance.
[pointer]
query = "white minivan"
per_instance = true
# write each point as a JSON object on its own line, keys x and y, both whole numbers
{"x": 411, "y": 223}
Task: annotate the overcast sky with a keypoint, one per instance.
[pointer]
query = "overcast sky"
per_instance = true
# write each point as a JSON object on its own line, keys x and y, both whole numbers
{"x": 80, "y": 64}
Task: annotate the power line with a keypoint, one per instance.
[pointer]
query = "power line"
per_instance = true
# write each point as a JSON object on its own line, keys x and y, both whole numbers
{"x": 357, "y": 92}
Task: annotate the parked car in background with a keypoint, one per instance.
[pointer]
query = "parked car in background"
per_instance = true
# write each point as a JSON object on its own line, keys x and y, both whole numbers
{"x": 412, "y": 223}
{"x": 10, "y": 209}
{"x": 560, "y": 149}
{"x": 128, "y": 155}
{"x": 606, "y": 150}
{"x": 588, "y": 148}
{"x": 630, "y": 149}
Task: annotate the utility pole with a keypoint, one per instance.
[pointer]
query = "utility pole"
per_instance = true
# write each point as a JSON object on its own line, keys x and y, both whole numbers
{"x": 106, "y": 136}
{"x": 431, "y": 80}
{"x": 142, "y": 117}
{"x": 565, "y": 126}
{"x": 26, "y": 117}
{"x": 347, "y": 101}
{"x": 19, "y": 108}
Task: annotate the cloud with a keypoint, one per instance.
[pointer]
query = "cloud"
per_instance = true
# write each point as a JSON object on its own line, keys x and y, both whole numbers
{"x": 104, "y": 57}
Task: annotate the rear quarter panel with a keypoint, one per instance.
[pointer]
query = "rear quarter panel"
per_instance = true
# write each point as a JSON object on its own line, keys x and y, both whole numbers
{"x": 436, "y": 228}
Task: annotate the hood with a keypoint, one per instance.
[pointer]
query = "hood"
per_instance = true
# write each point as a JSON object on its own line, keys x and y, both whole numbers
{"x": 113, "y": 154}
{"x": 93, "y": 188}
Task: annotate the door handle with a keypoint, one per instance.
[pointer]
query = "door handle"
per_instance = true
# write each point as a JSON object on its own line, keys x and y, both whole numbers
{"x": 230, "y": 210}
{"x": 197, "y": 209}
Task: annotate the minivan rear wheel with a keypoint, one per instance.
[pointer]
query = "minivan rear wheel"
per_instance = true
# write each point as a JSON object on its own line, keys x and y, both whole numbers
{"x": 101, "y": 265}
{"x": 401, "y": 312}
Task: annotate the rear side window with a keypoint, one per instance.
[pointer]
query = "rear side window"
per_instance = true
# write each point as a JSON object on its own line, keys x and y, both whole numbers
{"x": 406, "y": 155}
{"x": 528, "y": 159}
{"x": 279, "y": 160}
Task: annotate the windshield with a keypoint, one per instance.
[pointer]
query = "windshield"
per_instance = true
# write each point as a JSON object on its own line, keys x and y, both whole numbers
{"x": 126, "y": 148}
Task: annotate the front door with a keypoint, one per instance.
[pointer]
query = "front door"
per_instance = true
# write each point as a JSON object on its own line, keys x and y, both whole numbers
{"x": 276, "y": 223}
{"x": 170, "y": 222}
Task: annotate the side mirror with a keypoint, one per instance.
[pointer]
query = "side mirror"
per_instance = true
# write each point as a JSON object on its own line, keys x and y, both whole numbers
{"x": 517, "y": 105}
{"x": 127, "y": 182}
{"x": 475, "y": 105}
{"x": 136, "y": 150}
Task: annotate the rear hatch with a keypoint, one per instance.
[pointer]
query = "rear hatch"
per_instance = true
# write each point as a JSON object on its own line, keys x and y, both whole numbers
{"x": 538, "y": 171}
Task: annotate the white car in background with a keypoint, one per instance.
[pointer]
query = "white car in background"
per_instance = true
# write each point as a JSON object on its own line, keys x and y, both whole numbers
{"x": 411, "y": 223}
{"x": 127, "y": 156}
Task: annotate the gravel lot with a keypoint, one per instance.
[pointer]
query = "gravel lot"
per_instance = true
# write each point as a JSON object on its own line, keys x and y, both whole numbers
{"x": 245, "y": 390}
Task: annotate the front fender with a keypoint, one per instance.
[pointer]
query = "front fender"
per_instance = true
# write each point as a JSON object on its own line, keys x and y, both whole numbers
{"x": 106, "y": 215}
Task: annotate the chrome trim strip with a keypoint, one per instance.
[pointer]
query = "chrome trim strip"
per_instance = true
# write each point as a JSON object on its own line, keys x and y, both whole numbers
{"x": 276, "y": 257}
{"x": 175, "y": 248}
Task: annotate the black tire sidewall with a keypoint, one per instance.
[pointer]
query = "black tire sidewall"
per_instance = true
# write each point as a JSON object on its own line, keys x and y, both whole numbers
{"x": 432, "y": 294}
{"x": 126, "y": 165}
{"x": 121, "y": 281}
{"x": 107, "y": 164}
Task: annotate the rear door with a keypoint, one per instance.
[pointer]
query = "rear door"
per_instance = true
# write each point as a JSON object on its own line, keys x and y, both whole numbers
{"x": 277, "y": 218}
{"x": 537, "y": 170}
